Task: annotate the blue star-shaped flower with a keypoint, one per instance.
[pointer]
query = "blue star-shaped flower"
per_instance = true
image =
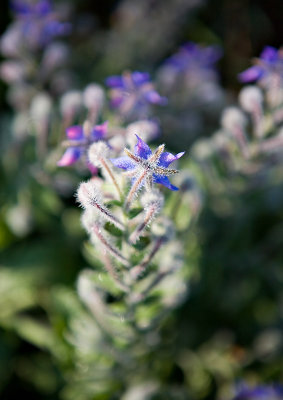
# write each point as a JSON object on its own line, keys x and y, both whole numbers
{"x": 269, "y": 62}
{"x": 133, "y": 91}
{"x": 146, "y": 167}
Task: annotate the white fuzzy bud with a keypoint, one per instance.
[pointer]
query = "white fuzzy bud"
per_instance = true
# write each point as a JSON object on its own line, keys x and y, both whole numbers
{"x": 147, "y": 130}
{"x": 97, "y": 152}
{"x": 90, "y": 197}
{"x": 88, "y": 194}
{"x": 41, "y": 107}
{"x": 93, "y": 97}
{"x": 250, "y": 98}
{"x": 233, "y": 118}
{"x": 117, "y": 143}
{"x": 71, "y": 103}
{"x": 12, "y": 71}
{"x": 11, "y": 41}
{"x": 154, "y": 197}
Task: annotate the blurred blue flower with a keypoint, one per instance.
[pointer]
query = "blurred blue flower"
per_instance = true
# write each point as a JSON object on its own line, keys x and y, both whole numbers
{"x": 192, "y": 56}
{"x": 261, "y": 392}
{"x": 269, "y": 62}
{"x": 79, "y": 140}
{"x": 151, "y": 166}
{"x": 38, "y": 22}
{"x": 132, "y": 91}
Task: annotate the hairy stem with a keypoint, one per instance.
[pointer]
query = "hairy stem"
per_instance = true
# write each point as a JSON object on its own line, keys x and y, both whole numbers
{"x": 108, "y": 246}
{"x": 110, "y": 173}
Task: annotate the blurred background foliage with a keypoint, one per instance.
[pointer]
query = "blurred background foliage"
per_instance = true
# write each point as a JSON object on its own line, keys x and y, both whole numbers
{"x": 230, "y": 325}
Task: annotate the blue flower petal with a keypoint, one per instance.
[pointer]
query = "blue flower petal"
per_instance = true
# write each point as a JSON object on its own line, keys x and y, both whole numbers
{"x": 167, "y": 158}
{"x": 153, "y": 97}
{"x": 139, "y": 78}
{"x": 99, "y": 131}
{"x": 251, "y": 74}
{"x": 71, "y": 155}
{"x": 117, "y": 99}
{"x": 115, "y": 81}
{"x": 75, "y": 132}
{"x": 269, "y": 54}
{"x": 164, "y": 180}
{"x": 123, "y": 162}
{"x": 142, "y": 149}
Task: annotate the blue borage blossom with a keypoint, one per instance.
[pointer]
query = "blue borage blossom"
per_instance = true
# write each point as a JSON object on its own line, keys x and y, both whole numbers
{"x": 269, "y": 62}
{"x": 132, "y": 90}
{"x": 79, "y": 141}
{"x": 261, "y": 392}
{"x": 192, "y": 56}
{"x": 38, "y": 21}
{"x": 151, "y": 166}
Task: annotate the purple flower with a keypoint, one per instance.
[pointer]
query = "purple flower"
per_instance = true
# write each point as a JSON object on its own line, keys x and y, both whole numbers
{"x": 38, "y": 22}
{"x": 147, "y": 167}
{"x": 270, "y": 62}
{"x": 261, "y": 392}
{"x": 192, "y": 56}
{"x": 133, "y": 91}
{"x": 23, "y": 8}
{"x": 78, "y": 140}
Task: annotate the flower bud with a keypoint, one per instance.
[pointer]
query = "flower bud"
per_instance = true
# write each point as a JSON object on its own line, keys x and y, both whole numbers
{"x": 233, "y": 118}
{"x": 93, "y": 97}
{"x": 88, "y": 194}
{"x": 98, "y": 151}
{"x": 147, "y": 130}
{"x": 251, "y": 98}
{"x": 11, "y": 41}
{"x": 71, "y": 103}
{"x": 12, "y": 71}
{"x": 41, "y": 107}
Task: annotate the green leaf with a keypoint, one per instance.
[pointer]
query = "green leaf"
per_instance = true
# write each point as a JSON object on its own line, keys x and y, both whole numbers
{"x": 112, "y": 229}
{"x": 142, "y": 243}
{"x": 134, "y": 212}
{"x": 114, "y": 203}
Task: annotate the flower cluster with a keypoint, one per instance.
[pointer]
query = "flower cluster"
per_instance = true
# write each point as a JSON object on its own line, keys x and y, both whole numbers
{"x": 36, "y": 24}
{"x": 189, "y": 79}
{"x": 194, "y": 58}
{"x": 269, "y": 63}
{"x": 251, "y": 131}
{"x": 132, "y": 93}
{"x": 79, "y": 138}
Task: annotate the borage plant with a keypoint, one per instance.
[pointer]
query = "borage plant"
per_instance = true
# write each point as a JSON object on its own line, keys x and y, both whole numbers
{"x": 137, "y": 256}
